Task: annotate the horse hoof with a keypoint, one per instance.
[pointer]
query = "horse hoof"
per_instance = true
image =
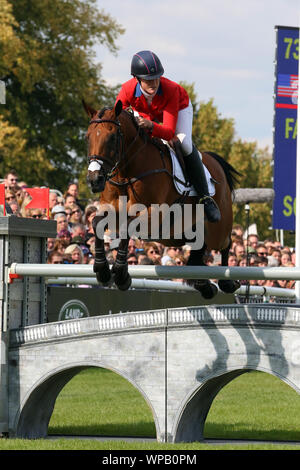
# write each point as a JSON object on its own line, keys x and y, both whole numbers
{"x": 125, "y": 285}
{"x": 103, "y": 273}
{"x": 122, "y": 278}
{"x": 229, "y": 287}
{"x": 207, "y": 290}
{"x": 103, "y": 278}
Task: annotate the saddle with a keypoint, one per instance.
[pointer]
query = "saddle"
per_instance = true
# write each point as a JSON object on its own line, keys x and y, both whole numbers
{"x": 174, "y": 146}
{"x": 180, "y": 175}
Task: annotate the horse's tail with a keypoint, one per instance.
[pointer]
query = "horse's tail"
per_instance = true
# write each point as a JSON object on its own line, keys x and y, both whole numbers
{"x": 232, "y": 175}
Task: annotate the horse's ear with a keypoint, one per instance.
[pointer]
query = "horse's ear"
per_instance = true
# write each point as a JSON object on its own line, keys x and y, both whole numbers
{"x": 88, "y": 109}
{"x": 118, "y": 108}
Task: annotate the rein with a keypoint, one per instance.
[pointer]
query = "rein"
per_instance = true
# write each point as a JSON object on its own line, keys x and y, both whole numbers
{"x": 122, "y": 156}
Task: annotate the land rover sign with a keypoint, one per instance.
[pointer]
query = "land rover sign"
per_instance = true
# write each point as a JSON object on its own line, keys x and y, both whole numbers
{"x": 73, "y": 309}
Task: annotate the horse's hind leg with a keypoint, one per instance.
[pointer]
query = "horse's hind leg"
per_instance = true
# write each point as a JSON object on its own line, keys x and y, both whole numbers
{"x": 204, "y": 286}
{"x": 226, "y": 285}
{"x": 101, "y": 266}
{"x": 122, "y": 278}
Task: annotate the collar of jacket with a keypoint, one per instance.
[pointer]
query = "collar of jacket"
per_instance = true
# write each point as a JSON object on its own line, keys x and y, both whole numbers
{"x": 138, "y": 91}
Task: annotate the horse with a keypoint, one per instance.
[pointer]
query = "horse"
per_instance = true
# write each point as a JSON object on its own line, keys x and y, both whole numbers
{"x": 125, "y": 161}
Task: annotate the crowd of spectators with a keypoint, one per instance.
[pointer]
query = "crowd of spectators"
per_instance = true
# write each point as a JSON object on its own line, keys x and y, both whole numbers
{"x": 75, "y": 239}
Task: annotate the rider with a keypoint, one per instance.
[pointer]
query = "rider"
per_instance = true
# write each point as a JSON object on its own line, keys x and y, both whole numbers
{"x": 165, "y": 110}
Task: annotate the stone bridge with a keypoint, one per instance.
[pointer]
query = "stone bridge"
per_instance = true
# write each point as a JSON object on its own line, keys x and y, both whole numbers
{"x": 178, "y": 359}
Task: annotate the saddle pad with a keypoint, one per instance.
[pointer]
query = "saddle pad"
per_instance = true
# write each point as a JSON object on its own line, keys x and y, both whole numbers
{"x": 181, "y": 185}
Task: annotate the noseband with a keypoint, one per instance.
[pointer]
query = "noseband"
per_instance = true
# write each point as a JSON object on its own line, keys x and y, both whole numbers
{"x": 119, "y": 148}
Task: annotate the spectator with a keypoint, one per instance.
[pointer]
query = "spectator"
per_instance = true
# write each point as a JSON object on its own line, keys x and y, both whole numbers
{"x": 186, "y": 251}
{"x": 151, "y": 250}
{"x": 239, "y": 250}
{"x": 64, "y": 235}
{"x": 78, "y": 230}
{"x": 61, "y": 221}
{"x": 14, "y": 206}
{"x": 10, "y": 196}
{"x": 132, "y": 259}
{"x": 20, "y": 195}
{"x": 60, "y": 246}
{"x": 252, "y": 241}
{"x": 277, "y": 255}
{"x": 50, "y": 244}
{"x": 262, "y": 251}
{"x": 285, "y": 258}
{"x": 36, "y": 214}
{"x": 89, "y": 241}
{"x": 76, "y": 215}
{"x": 232, "y": 259}
{"x": 238, "y": 230}
{"x": 52, "y": 200}
{"x": 180, "y": 260}
{"x": 54, "y": 257}
{"x": 89, "y": 215}
{"x": 253, "y": 259}
{"x": 11, "y": 180}
{"x": 170, "y": 253}
{"x": 58, "y": 209}
{"x": 69, "y": 200}
{"x": 243, "y": 262}
{"x": 131, "y": 247}
{"x": 73, "y": 190}
{"x": 75, "y": 252}
{"x": 144, "y": 260}
{"x": 272, "y": 262}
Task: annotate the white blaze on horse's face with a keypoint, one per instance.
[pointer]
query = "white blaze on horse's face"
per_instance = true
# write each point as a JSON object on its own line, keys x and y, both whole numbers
{"x": 95, "y": 166}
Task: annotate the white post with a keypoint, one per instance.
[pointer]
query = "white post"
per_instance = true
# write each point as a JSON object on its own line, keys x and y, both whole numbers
{"x": 297, "y": 222}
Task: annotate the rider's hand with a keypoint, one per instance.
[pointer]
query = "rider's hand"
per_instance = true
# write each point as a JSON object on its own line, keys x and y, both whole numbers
{"x": 145, "y": 123}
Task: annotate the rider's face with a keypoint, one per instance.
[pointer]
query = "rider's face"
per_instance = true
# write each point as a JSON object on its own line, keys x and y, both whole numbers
{"x": 150, "y": 86}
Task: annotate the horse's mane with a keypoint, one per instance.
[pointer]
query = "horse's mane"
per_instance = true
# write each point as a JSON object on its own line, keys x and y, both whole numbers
{"x": 158, "y": 143}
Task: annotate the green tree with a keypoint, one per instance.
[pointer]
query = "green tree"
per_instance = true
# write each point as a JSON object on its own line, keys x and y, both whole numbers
{"x": 48, "y": 65}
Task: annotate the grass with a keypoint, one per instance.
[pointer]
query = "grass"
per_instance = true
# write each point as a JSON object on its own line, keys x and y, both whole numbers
{"x": 254, "y": 406}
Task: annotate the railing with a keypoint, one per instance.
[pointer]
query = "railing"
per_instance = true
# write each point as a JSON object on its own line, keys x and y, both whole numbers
{"x": 226, "y": 315}
{"x": 161, "y": 272}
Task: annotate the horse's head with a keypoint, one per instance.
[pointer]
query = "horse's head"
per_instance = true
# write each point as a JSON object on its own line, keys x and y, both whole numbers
{"x": 104, "y": 144}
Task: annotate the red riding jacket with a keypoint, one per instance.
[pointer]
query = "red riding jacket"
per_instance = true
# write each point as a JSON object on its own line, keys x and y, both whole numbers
{"x": 169, "y": 99}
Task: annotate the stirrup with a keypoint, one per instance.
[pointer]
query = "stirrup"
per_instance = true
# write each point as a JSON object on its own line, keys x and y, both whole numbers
{"x": 206, "y": 198}
{"x": 211, "y": 209}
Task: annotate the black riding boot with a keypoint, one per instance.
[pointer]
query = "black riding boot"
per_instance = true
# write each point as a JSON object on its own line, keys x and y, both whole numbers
{"x": 196, "y": 174}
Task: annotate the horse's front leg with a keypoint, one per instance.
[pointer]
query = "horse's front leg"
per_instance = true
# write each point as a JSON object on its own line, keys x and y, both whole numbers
{"x": 207, "y": 289}
{"x": 227, "y": 285}
{"x": 122, "y": 278}
{"x": 101, "y": 266}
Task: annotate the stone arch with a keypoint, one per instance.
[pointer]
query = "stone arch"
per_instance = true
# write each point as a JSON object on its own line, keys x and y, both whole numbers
{"x": 37, "y": 407}
{"x": 190, "y": 420}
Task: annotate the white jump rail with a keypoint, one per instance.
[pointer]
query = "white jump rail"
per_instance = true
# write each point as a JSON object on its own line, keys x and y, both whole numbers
{"x": 161, "y": 272}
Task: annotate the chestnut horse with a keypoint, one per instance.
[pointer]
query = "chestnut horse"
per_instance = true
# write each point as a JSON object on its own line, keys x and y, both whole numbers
{"x": 125, "y": 161}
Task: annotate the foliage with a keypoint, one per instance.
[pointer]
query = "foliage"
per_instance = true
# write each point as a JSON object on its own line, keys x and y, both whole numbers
{"x": 47, "y": 64}
{"x": 215, "y": 133}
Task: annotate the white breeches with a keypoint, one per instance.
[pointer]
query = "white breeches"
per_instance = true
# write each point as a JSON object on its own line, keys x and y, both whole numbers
{"x": 184, "y": 128}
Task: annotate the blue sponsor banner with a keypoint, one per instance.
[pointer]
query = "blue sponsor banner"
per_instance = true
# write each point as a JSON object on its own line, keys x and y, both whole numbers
{"x": 285, "y": 127}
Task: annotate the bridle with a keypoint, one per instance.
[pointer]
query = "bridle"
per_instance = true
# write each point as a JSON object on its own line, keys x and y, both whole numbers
{"x": 122, "y": 153}
{"x": 119, "y": 148}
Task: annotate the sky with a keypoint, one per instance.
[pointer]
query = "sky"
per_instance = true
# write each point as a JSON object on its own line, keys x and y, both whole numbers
{"x": 225, "y": 47}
